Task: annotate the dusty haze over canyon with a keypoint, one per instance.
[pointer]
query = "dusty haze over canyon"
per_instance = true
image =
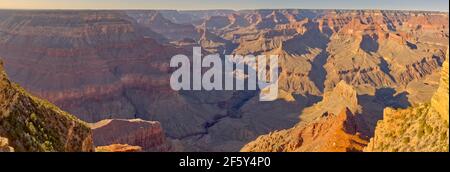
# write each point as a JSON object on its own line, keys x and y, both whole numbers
{"x": 339, "y": 70}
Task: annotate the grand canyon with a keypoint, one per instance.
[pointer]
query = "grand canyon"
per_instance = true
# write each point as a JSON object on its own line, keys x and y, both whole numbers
{"x": 349, "y": 81}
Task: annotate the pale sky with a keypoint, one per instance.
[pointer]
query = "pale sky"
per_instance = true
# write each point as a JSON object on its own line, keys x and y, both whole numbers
{"x": 428, "y": 5}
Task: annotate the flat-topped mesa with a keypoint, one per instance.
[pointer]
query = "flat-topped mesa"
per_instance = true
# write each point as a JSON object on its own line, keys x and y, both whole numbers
{"x": 329, "y": 133}
{"x": 146, "y": 134}
{"x": 30, "y": 124}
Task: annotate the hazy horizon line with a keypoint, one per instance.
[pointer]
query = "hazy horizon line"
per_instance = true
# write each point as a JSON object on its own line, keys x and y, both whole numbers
{"x": 212, "y": 9}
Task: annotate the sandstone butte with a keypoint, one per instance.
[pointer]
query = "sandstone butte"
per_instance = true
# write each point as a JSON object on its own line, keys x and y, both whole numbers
{"x": 421, "y": 128}
{"x": 147, "y": 135}
{"x": 330, "y": 133}
{"x": 30, "y": 124}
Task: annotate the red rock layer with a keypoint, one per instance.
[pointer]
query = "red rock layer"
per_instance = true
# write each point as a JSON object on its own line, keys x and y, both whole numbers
{"x": 148, "y": 135}
{"x": 329, "y": 133}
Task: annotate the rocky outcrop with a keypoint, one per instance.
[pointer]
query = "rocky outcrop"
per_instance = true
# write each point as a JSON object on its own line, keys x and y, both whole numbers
{"x": 31, "y": 124}
{"x": 145, "y": 134}
{"x": 4, "y": 145}
{"x": 341, "y": 97}
{"x": 329, "y": 133}
{"x": 332, "y": 125}
{"x": 416, "y": 129}
{"x": 118, "y": 148}
{"x": 421, "y": 128}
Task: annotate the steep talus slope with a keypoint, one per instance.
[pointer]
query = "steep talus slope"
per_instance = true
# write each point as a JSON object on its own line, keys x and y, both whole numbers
{"x": 145, "y": 134}
{"x": 32, "y": 124}
{"x": 421, "y": 128}
{"x": 334, "y": 124}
